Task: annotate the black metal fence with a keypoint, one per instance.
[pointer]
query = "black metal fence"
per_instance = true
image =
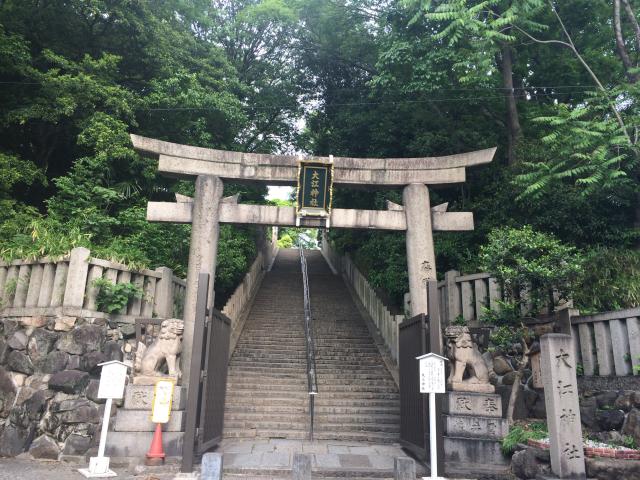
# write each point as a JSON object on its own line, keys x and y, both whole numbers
{"x": 415, "y": 339}
{"x": 207, "y": 379}
{"x": 413, "y": 404}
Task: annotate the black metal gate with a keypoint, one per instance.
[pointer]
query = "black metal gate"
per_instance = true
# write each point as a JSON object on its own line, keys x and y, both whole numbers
{"x": 415, "y": 339}
{"x": 207, "y": 378}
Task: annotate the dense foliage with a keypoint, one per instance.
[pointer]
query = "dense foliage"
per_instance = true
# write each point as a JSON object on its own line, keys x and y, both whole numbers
{"x": 534, "y": 269}
{"x": 553, "y": 84}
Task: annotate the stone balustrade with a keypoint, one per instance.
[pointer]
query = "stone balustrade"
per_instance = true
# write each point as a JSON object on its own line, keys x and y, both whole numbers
{"x": 66, "y": 286}
{"x": 608, "y": 344}
{"x": 467, "y": 295}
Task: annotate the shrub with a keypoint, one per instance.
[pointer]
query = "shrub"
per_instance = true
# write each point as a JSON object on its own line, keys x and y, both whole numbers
{"x": 113, "y": 297}
{"x": 609, "y": 281}
{"x": 521, "y": 433}
{"x": 530, "y": 266}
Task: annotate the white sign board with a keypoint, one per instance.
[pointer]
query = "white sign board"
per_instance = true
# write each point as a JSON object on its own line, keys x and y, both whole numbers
{"x": 113, "y": 377}
{"x": 432, "y": 377}
{"x": 162, "y": 397}
{"x": 112, "y": 380}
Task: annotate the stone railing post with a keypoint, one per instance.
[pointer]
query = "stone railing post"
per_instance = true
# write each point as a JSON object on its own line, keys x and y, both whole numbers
{"x": 163, "y": 297}
{"x": 451, "y": 308}
{"x": 76, "y": 277}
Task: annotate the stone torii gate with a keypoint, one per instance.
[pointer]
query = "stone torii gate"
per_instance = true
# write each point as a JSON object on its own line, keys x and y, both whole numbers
{"x": 208, "y": 209}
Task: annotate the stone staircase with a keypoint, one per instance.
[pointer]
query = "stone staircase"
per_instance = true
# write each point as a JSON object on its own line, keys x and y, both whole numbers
{"x": 267, "y": 381}
{"x": 267, "y": 385}
{"x": 358, "y": 399}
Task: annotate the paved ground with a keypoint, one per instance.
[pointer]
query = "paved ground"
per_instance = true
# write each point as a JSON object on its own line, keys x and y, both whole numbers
{"x": 267, "y": 459}
{"x": 326, "y": 456}
{"x": 26, "y": 469}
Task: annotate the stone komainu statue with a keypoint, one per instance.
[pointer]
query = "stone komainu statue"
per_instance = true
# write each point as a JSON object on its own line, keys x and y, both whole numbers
{"x": 465, "y": 357}
{"x": 167, "y": 346}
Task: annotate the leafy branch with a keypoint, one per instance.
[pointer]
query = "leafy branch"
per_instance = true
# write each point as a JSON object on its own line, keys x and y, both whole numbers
{"x": 113, "y": 297}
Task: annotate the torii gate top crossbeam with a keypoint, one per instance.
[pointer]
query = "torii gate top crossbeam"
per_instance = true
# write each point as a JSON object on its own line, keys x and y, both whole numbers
{"x": 188, "y": 161}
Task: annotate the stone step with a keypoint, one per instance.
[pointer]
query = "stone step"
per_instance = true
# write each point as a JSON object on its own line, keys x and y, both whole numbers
{"x": 476, "y": 427}
{"x": 358, "y": 387}
{"x": 472, "y": 450}
{"x": 355, "y": 410}
{"x": 140, "y": 421}
{"x": 355, "y": 403}
{"x": 292, "y": 382}
{"x": 353, "y": 368}
{"x": 294, "y": 423}
{"x": 140, "y": 397}
{"x": 317, "y": 474}
{"x": 475, "y": 404}
{"x": 269, "y": 356}
{"x": 375, "y": 378}
{"x": 266, "y": 387}
{"x": 320, "y": 418}
{"x": 357, "y": 400}
{"x": 477, "y": 470}
{"x": 275, "y": 346}
{"x": 136, "y": 444}
{"x": 266, "y": 409}
{"x": 318, "y": 435}
{"x": 267, "y": 398}
{"x": 277, "y": 384}
{"x": 256, "y": 371}
{"x": 328, "y": 350}
{"x": 303, "y": 409}
{"x": 276, "y": 362}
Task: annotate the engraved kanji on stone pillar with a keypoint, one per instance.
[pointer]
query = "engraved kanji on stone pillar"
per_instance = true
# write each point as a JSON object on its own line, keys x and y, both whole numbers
{"x": 558, "y": 367}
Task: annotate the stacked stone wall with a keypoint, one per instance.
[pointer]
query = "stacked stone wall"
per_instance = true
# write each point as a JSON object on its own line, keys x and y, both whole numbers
{"x": 49, "y": 382}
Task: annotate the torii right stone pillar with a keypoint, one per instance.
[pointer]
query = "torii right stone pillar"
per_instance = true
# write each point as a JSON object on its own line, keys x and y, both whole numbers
{"x": 205, "y": 230}
{"x": 421, "y": 259}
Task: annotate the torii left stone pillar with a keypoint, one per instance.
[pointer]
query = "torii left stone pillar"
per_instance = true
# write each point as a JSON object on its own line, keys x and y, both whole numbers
{"x": 205, "y": 231}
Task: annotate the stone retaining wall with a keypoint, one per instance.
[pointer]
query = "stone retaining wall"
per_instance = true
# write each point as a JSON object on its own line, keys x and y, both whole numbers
{"x": 609, "y": 406}
{"x": 49, "y": 382}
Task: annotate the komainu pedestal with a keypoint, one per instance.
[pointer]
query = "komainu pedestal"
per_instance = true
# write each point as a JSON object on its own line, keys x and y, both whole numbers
{"x": 133, "y": 430}
{"x": 474, "y": 428}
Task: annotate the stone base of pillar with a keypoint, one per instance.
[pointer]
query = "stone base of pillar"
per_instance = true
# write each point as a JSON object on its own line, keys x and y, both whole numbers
{"x": 473, "y": 431}
{"x": 133, "y": 430}
{"x": 472, "y": 387}
{"x": 548, "y": 477}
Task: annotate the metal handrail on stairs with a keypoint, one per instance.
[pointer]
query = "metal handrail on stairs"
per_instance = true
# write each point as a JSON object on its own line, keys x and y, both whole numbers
{"x": 308, "y": 333}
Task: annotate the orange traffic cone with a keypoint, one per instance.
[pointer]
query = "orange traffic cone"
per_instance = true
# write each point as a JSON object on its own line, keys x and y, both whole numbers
{"x": 155, "y": 455}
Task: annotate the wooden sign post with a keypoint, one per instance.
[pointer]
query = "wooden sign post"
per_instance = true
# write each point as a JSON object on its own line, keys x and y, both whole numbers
{"x": 112, "y": 381}
{"x": 432, "y": 381}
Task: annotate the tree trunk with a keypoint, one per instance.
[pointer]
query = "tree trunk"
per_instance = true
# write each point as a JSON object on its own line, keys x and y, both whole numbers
{"x": 513, "y": 121}
{"x": 515, "y": 388}
{"x": 633, "y": 20}
{"x": 620, "y": 44}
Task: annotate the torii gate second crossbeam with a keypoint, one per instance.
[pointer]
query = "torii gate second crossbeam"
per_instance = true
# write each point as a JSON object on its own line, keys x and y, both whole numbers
{"x": 208, "y": 209}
